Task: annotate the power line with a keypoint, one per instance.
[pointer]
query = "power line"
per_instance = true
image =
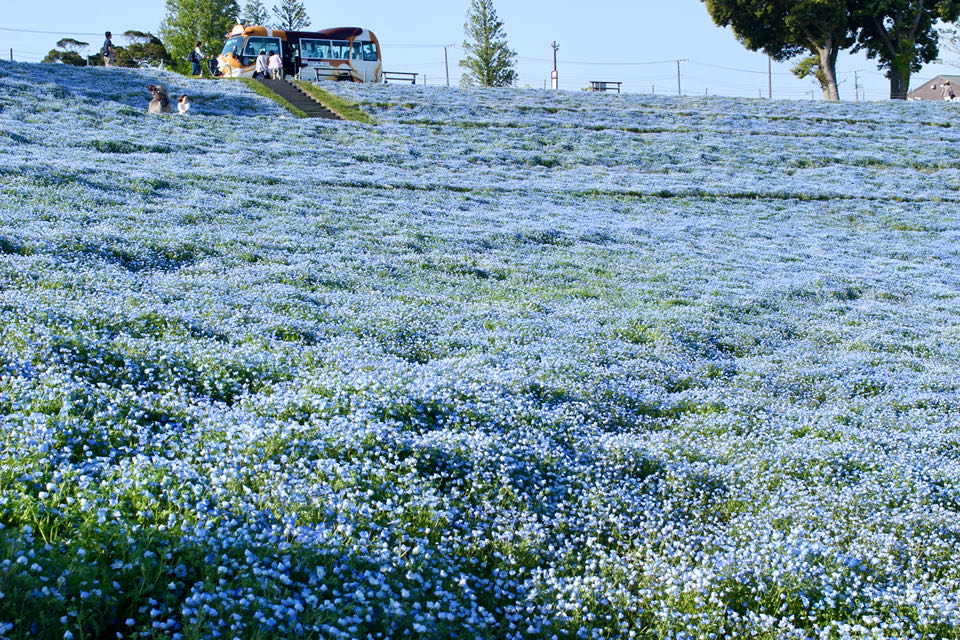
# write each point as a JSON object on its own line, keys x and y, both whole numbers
{"x": 53, "y": 33}
{"x": 717, "y": 66}
{"x": 609, "y": 64}
{"x": 419, "y": 46}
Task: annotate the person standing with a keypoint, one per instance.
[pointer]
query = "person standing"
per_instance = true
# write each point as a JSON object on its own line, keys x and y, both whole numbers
{"x": 260, "y": 70}
{"x": 196, "y": 56}
{"x": 275, "y": 64}
{"x": 947, "y": 91}
{"x": 107, "y": 51}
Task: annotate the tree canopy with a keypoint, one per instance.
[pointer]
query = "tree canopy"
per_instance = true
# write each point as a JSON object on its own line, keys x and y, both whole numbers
{"x": 291, "y": 15}
{"x": 143, "y": 50}
{"x": 784, "y": 29}
{"x": 68, "y": 52}
{"x": 189, "y": 21}
{"x": 255, "y": 12}
{"x": 901, "y": 35}
{"x": 489, "y": 62}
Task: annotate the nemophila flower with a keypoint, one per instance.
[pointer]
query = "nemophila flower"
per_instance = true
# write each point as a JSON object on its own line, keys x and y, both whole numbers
{"x": 517, "y": 362}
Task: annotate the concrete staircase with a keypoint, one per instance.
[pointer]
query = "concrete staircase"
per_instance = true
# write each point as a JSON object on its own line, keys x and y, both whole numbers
{"x": 292, "y": 94}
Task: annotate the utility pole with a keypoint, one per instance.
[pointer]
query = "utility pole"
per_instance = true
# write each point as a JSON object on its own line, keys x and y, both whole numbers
{"x": 769, "y": 79}
{"x": 554, "y": 80}
{"x": 678, "y": 76}
{"x": 446, "y": 65}
{"x": 856, "y": 86}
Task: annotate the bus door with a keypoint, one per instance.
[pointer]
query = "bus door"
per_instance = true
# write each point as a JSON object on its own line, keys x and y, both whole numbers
{"x": 255, "y": 44}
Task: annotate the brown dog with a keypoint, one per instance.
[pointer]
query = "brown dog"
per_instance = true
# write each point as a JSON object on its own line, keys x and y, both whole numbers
{"x": 160, "y": 103}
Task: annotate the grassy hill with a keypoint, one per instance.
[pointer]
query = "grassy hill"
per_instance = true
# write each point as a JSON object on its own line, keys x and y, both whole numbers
{"x": 508, "y": 364}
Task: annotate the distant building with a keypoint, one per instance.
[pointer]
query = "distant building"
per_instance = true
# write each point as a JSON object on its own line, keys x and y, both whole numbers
{"x": 933, "y": 89}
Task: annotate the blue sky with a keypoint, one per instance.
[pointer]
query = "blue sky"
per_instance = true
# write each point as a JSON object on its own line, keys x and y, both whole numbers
{"x": 627, "y": 41}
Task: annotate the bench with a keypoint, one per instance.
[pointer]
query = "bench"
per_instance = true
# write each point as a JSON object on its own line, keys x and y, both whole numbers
{"x": 331, "y": 74}
{"x": 399, "y": 75}
{"x": 605, "y": 85}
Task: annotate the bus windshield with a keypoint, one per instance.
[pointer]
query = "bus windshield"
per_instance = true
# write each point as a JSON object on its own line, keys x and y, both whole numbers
{"x": 234, "y": 45}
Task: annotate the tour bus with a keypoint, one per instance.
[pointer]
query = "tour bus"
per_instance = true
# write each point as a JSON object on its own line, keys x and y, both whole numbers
{"x": 342, "y": 53}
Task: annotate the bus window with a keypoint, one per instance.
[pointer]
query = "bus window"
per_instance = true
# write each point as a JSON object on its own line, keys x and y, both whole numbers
{"x": 341, "y": 50}
{"x": 255, "y": 44}
{"x": 314, "y": 49}
{"x": 234, "y": 45}
{"x": 357, "y": 53}
{"x": 369, "y": 51}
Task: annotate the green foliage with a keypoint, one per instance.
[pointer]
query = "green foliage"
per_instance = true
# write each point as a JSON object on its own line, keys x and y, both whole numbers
{"x": 784, "y": 29}
{"x": 291, "y": 15}
{"x": 68, "y": 52}
{"x": 190, "y": 21}
{"x": 901, "y": 35}
{"x": 66, "y": 57}
{"x": 810, "y": 66}
{"x": 489, "y": 61}
{"x": 144, "y": 50}
{"x": 254, "y": 12}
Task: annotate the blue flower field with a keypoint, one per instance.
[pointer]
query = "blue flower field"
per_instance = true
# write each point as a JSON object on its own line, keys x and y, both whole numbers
{"x": 508, "y": 364}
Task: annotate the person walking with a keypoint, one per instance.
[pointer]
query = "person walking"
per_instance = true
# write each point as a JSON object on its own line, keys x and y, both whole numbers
{"x": 107, "y": 51}
{"x": 195, "y": 57}
{"x": 275, "y": 64}
{"x": 260, "y": 71}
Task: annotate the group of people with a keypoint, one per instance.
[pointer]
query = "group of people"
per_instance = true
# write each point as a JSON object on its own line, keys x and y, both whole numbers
{"x": 272, "y": 64}
{"x": 195, "y": 57}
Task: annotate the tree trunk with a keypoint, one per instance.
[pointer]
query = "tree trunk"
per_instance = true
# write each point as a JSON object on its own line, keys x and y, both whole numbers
{"x": 899, "y": 80}
{"x": 828, "y": 69}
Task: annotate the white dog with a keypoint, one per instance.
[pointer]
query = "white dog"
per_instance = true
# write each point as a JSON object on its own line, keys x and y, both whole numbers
{"x": 183, "y": 105}
{"x": 160, "y": 102}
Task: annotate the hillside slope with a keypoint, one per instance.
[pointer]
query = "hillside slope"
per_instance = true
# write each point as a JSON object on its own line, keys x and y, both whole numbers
{"x": 511, "y": 364}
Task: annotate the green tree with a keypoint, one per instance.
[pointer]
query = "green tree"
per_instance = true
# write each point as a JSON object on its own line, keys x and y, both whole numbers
{"x": 68, "y": 53}
{"x": 188, "y": 21}
{"x": 254, "y": 12}
{"x": 291, "y": 15}
{"x": 489, "y": 62}
{"x": 143, "y": 50}
{"x": 785, "y": 29}
{"x": 901, "y": 35}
